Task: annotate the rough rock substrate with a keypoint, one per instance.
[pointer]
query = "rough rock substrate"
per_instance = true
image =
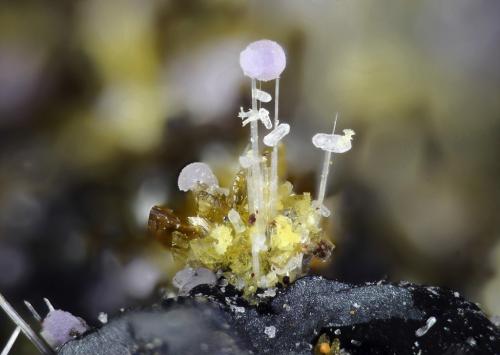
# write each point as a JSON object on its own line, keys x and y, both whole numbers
{"x": 374, "y": 318}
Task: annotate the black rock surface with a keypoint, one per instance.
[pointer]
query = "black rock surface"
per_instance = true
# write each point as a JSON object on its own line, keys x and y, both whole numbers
{"x": 379, "y": 318}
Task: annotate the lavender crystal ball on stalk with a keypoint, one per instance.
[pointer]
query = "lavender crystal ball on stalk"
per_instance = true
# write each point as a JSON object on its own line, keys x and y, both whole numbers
{"x": 263, "y": 60}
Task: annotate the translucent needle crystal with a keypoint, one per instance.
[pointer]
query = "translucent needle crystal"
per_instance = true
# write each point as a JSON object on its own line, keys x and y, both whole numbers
{"x": 259, "y": 232}
{"x": 330, "y": 143}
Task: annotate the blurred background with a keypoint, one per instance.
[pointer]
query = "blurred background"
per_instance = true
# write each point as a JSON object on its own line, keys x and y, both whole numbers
{"x": 103, "y": 102}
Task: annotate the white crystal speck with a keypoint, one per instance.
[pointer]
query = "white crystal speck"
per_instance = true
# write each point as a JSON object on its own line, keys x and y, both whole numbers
{"x": 103, "y": 317}
{"x": 270, "y": 331}
{"x": 428, "y": 324}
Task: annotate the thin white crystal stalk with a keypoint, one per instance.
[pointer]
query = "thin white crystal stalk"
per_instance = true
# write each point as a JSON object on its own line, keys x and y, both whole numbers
{"x": 256, "y": 175}
{"x": 266, "y": 191}
{"x": 274, "y": 154}
{"x": 255, "y": 187}
{"x": 25, "y": 328}
{"x": 49, "y": 305}
{"x": 325, "y": 170}
{"x": 250, "y": 189}
{"x": 11, "y": 341}
{"x": 33, "y": 311}
{"x": 255, "y": 256}
{"x": 254, "y": 129}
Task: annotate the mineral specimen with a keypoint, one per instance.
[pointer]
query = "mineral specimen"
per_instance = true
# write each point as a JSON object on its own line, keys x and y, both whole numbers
{"x": 258, "y": 231}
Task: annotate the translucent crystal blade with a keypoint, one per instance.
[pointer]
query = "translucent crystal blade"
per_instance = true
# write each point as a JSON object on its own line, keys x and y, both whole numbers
{"x": 262, "y": 96}
{"x": 276, "y": 135}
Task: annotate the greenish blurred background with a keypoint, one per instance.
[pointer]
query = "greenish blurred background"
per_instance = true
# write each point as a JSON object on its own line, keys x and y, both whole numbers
{"x": 103, "y": 102}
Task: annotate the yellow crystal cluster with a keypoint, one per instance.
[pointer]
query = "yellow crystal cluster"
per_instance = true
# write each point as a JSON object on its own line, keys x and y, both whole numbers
{"x": 214, "y": 240}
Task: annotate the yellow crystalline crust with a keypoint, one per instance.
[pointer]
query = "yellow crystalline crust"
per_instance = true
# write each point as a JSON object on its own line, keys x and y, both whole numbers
{"x": 291, "y": 235}
{"x": 284, "y": 238}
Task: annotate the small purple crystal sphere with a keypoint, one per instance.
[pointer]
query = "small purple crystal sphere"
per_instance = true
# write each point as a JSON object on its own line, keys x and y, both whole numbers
{"x": 263, "y": 60}
{"x": 60, "y": 327}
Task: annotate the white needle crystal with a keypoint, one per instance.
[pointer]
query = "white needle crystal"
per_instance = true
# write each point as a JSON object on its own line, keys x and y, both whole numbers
{"x": 194, "y": 174}
{"x": 330, "y": 143}
{"x": 276, "y": 135}
{"x": 12, "y": 340}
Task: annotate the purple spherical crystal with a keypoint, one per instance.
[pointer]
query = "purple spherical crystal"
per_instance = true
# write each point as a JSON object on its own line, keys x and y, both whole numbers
{"x": 60, "y": 327}
{"x": 263, "y": 60}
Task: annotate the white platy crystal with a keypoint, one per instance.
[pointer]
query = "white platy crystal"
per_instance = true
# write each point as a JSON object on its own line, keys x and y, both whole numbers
{"x": 321, "y": 208}
{"x": 270, "y": 292}
{"x": 294, "y": 263}
{"x": 428, "y": 324}
{"x": 334, "y": 143}
{"x": 196, "y": 173}
{"x": 262, "y": 96}
{"x": 270, "y": 331}
{"x": 237, "y": 309}
{"x": 276, "y": 135}
{"x": 187, "y": 279}
{"x": 199, "y": 222}
{"x": 255, "y": 115}
{"x": 235, "y": 219}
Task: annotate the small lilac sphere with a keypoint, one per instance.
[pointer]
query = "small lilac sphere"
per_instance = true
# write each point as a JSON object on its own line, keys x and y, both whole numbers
{"x": 263, "y": 60}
